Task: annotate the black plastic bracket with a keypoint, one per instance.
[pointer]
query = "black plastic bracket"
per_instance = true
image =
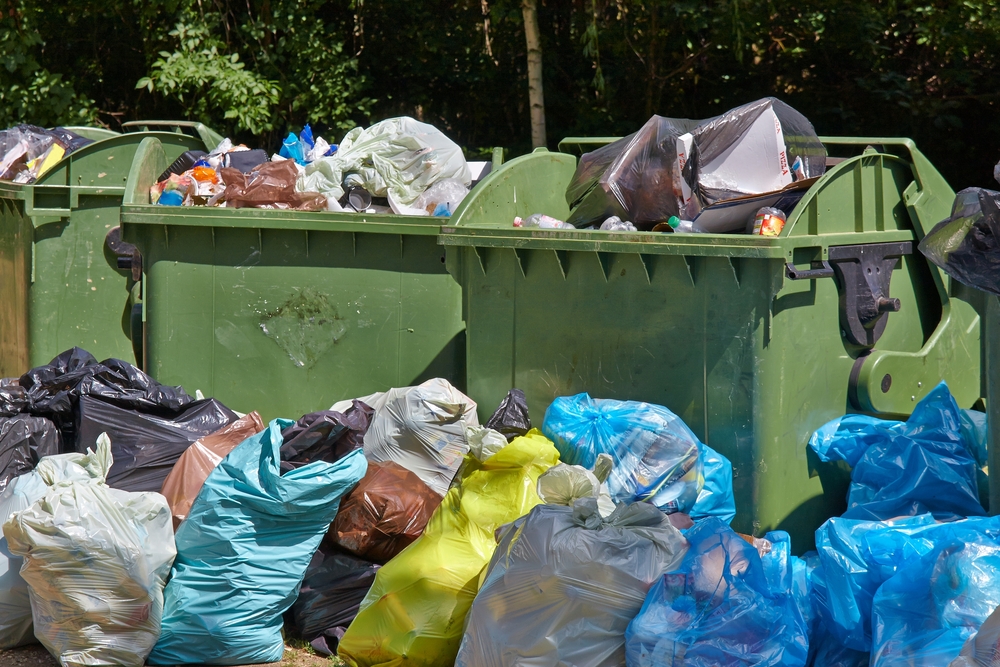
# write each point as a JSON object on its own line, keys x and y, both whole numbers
{"x": 127, "y": 256}
{"x": 863, "y": 276}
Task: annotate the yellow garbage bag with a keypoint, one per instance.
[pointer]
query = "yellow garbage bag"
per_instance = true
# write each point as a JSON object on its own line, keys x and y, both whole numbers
{"x": 415, "y": 612}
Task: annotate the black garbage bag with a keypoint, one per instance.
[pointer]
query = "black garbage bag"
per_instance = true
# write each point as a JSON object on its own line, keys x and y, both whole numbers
{"x": 326, "y": 435}
{"x": 967, "y": 244}
{"x": 13, "y": 398}
{"x": 332, "y": 590}
{"x": 144, "y": 446}
{"x": 24, "y": 440}
{"x": 511, "y": 418}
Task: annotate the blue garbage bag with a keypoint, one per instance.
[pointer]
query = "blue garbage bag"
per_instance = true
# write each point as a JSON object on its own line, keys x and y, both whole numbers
{"x": 293, "y": 149}
{"x": 243, "y": 550}
{"x": 923, "y": 614}
{"x": 974, "y": 432}
{"x": 905, "y": 468}
{"x": 656, "y": 457}
{"x": 723, "y": 607}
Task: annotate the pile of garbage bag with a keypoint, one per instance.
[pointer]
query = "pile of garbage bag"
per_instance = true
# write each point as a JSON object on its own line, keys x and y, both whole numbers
{"x": 398, "y": 165}
{"x": 30, "y": 151}
{"x": 716, "y": 175}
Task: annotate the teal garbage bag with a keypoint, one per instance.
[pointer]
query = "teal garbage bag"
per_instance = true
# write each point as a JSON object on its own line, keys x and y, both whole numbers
{"x": 924, "y": 613}
{"x": 906, "y": 468}
{"x": 723, "y": 607}
{"x": 243, "y": 550}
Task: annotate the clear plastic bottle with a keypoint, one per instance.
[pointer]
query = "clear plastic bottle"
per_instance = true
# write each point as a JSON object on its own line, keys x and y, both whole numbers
{"x": 542, "y": 221}
{"x": 684, "y": 226}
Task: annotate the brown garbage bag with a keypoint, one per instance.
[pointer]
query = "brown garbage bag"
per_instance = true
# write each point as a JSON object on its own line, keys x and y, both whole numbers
{"x": 270, "y": 185}
{"x": 385, "y": 512}
{"x": 184, "y": 482}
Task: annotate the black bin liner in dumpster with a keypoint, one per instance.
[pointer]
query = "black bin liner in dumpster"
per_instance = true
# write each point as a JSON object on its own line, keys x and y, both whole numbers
{"x": 145, "y": 446}
{"x": 24, "y": 440}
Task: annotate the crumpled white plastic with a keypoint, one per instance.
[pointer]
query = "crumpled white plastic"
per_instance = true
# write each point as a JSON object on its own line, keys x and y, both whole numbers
{"x": 564, "y": 484}
{"x": 421, "y": 428}
{"x": 397, "y": 158}
{"x": 96, "y": 560}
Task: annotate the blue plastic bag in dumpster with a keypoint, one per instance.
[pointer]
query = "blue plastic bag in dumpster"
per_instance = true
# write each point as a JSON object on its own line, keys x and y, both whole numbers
{"x": 906, "y": 468}
{"x": 718, "y": 610}
{"x": 243, "y": 550}
{"x": 657, "y": 458}
{"x": 923, "y": 614}
{"x": 824, "y": 650}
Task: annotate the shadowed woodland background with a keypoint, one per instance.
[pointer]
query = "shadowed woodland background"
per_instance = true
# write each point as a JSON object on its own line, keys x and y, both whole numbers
{"x": 256, "y": 68}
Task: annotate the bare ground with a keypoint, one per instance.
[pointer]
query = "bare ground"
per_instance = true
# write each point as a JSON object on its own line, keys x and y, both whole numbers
{"x": 297, "y": 654}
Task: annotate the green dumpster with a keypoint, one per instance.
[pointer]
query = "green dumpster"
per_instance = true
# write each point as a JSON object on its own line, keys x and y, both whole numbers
{"x": 59, "y": 252}
{"x": 287, "y": 312}
{"x": 753, "y": 341}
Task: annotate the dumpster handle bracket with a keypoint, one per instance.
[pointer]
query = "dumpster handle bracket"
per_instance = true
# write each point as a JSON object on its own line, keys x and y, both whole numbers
{"x": 817, "y": 270}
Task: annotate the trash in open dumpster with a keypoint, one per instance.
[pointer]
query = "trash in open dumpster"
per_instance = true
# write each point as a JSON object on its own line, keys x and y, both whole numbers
{"x": 24, "y": 440}
{"x": 905, "y": 468}
{"x": 417, "y": 607}
{"x": 564, "y": 583}
{"x": 719, "y": 609}
{"x": 95, "y": 560}
{"x": 332, "y": 590}
{"x": 243, "y": 550}
{"x": 188, "y": 475}
{"x": 421, "y": 428}
{"x": 656, "y": 456}
{"x": 327, "y": 435}
{"x": 15, "y": 606}
{"x": 384, "y": 513}
{"x": 145, "y": 447}
{"x": 27, "y": 152}
{"x": 967, "y": 243}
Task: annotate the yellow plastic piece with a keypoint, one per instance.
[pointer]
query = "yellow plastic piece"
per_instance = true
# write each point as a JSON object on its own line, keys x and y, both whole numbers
{"x": 48, "y": 160}
{"x": 415, "y": 612}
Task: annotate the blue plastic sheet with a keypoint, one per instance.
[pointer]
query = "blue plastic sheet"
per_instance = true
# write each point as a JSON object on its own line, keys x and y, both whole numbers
{"x": 923, "y": 614}
{"x": 243, "y": 550}
{"x": 905, "y": 468}
{"x": 722, "y": 607}
{"x": 656, "y": 456}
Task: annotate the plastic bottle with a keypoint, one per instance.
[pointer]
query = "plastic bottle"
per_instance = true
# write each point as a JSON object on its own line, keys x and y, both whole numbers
{"x": 684, "y": 226}
{"x": 542, "y": 221}
{"x": 768, "y": 222}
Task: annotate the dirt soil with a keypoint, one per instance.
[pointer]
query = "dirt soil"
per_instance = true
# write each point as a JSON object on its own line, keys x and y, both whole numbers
{"x": 298, "y": 655}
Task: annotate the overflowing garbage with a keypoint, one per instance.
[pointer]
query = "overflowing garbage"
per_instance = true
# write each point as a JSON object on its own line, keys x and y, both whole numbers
{"x": 398, "y": 165}
{"x": 30, "y": 151}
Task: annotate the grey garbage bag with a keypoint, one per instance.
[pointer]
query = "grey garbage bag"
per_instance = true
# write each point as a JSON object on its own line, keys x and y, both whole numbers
{"x": 564, "y": 584}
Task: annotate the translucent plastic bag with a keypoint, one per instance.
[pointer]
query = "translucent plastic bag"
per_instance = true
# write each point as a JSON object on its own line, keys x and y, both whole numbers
{"x": 15, "y": 605}
{"x": 243, "y": 550}
{"x": 967, "y": 244}
{"x": 564, "y": 584}
{"x": 906, "y": 468}
{"x": 398, "y": 158}
{"x": 414, "y": 614}
{"x": 924, "y": 613}
{"x": 270, "y": 185}
{"x": 95, "y": 560}
{"x": 721, "y": 608}
{"x": 421, "y": 428}
{"x": 656, "y": 456}
{"x": 983, "y": 648}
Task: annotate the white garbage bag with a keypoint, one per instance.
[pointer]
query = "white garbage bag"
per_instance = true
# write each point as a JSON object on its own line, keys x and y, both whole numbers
{"x": 397, "y": 158}
{"x": 15, "y": 607}
{"x": 95, "y": 561}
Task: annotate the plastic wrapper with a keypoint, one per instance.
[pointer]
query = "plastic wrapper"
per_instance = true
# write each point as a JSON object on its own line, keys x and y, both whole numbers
{"x": 184, "y": 482}
{"x": 384, "y": 513}
{"x": 398, "y": 158}
{"x": 416, "y": 610}
{"x": 924, "y": 613}
{"x": 95, "y": 560}
{"x": 967, "y": 244}
{"x": 442, "y": 198}
{"x": 983, "y": 648}
{"x": 24, "y": 440}
{"x": 905, "y": 468}
{"x": 511, "y": 417}
{"x": 616, "y": 224}
{"x": 723, "y": 607}
{"x": 269, "y": 185}
{"x": 656, "y": 456}
{"x": 331, "y": 593}
{"x": 243, "y": 550}
{"x": 325, "y": 436}
{"x": 565, "y": 583}
{"x": 145, "y": 447}
{"x": 421, "y": 428}
{"x": 15, "y": 605}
